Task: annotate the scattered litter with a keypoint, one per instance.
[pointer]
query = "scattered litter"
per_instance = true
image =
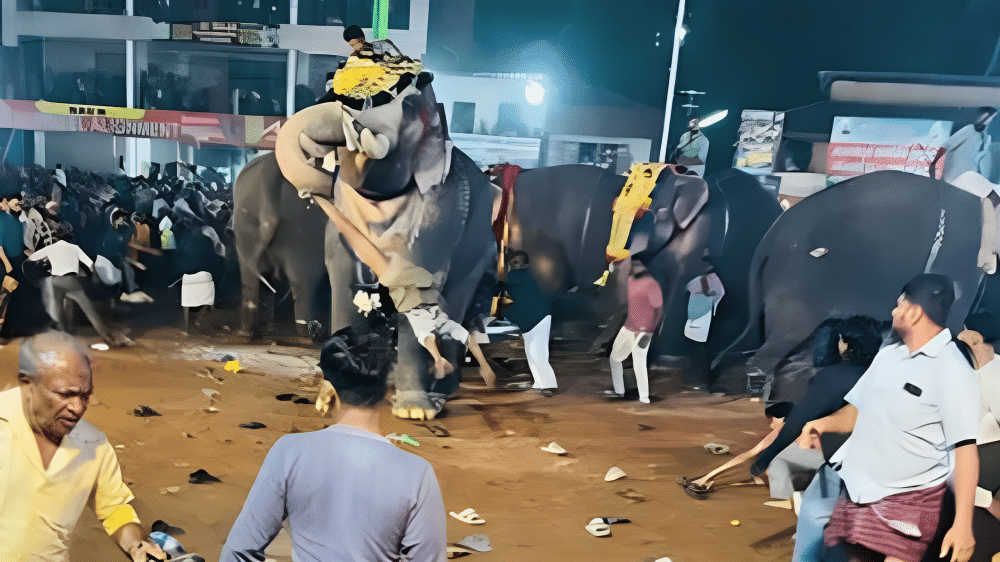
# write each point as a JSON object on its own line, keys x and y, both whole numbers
{"x": 100, "y": 347}
{"x": 599, "y": 529}
{"x": 609, "y": 520}
{"x": 631, "y": 495}
{"x": 119, "y": 446}
{"x": 437, "y": 429}
{"x": 479, "y": 543}
{"x": 302, "y": 400}
{"x": 510, "y": 432}
{"x": 716, "y": 449}
{"x": 651, "y": 465}
{"x": 735, "y": 522}
{"x": 664, "y": 559}
{"x": 227, "y": 358}
{"x": 145, "y": 412}
{"x": 614, "y": 473}
{"x": 180, "y": 463}
{"x": 755, "y": 399}
{"x": 233, "y": 366}
{"x": 644, "y": 427}
{"x": 468, "y": 516}
{"x": 253, "y": 425}
{"x": 554, "y": 447}
{"x": 200, "y": 476}
{"x": 285, "y": 397}
{"x": 211, "y": 410}
{"x": 188, "y": 435}
{"x": 211, "y": 393}
{"x": 170, "y": 490}
{"x": 139, "y": 443}
{"x": 404, "y": 438}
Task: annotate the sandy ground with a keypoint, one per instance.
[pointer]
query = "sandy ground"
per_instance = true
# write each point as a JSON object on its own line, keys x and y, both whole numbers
{"x": 535, "y": 504}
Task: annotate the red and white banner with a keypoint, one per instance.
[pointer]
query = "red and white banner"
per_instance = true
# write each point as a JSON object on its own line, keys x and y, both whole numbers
{"x": 861, "y": 145}
{"x": 195, "y": 129}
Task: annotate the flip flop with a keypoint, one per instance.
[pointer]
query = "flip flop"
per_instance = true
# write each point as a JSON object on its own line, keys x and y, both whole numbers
{"x": 553, "y": 447}
{"x": 609, "y": 520}
{"x": 477, "y": 543}
{"x": 436, "y": 429}
{"x": 510, "y": 386}
{"x": 457, "y": 552}
{"x": 468, "y": 516}
{"x": 614, "y": 473}
{"x": 699, "y": 492}
{"x": 599, "y": 529}
{"x": 716, "y": 449}
{"x": 683, "y": 481}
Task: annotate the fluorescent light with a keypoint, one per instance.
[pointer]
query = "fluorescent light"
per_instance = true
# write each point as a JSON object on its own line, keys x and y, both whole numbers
{"x": 713, "y": 118}
{"x": 682, "y": 33}
{"x": 534, "y": 93}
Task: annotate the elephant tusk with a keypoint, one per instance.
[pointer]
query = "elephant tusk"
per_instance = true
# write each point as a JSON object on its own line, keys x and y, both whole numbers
{"x": 375, "y": 146}
{"x": 350, "y": 135}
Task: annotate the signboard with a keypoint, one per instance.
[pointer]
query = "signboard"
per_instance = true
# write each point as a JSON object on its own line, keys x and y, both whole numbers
{"x": 230, "y": 33}
{"x": 860, "y": 145}
{"x": 240, "y": 131}
{"x": 759, "y": 133}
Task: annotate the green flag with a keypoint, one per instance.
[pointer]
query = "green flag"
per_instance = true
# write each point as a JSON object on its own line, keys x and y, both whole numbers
{"x": 380, "y": 20}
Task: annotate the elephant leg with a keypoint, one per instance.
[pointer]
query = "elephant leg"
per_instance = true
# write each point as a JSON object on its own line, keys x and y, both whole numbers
{"x": 341, "y": 266}
{"x": 250, "y": 303}
{"x": 413, "y": 377}
{"x": 303, "y": 285}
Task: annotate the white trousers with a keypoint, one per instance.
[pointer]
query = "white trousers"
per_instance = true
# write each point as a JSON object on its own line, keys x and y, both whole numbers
{"x": 536, "y": 347}
{"x": 636, "y": 344}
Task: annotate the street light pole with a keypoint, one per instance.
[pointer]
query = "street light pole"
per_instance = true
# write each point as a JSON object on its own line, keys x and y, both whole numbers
{"x": 678, "y": 31}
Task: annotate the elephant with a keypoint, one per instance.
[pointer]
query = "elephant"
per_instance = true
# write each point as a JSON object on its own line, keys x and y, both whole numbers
{"x": 692, "y": 227}
{"x": 408, "y": 211}
{"x": 278, "y": 236}
{"x": 849, "y": 250}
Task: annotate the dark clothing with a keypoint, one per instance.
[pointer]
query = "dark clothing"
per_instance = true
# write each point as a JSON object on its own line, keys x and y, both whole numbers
{"x": 530, "y": 305}
{"x": 824, "y": 396}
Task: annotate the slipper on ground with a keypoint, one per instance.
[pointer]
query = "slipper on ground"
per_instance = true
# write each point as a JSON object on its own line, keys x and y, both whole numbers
{"x": 553, "y": 447}
{"x": 599, "y": 529}
{"x": 716, "y": 449}
{"x": 468, "y": 516}
{"x": 477, "y": 543}
{"x": 614, "y": 473}
{"x": 609, "y": 520}
{"x": 699, "y": 492}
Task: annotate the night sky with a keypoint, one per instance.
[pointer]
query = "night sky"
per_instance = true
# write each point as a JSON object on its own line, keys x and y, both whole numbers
{"x": 747, "y": 54}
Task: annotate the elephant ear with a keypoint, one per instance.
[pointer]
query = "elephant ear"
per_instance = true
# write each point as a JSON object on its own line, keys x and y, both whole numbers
{"x": 689, "y": 198}
{"x": 432, "y": 157}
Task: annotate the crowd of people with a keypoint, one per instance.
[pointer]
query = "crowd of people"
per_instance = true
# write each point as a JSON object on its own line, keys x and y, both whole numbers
{"x": 905, "y": 464}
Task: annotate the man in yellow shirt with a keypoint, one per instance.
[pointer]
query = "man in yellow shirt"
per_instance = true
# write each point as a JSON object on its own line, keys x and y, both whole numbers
{"x": 52, "y": 463}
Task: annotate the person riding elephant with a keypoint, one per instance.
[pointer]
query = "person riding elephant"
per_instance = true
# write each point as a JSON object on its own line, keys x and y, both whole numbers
{"x": 406, "y": 209}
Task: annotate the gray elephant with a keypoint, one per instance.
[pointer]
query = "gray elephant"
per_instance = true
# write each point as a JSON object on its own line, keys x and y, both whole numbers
{"x": 691, "y": 228}
{"x": 408, "y": 211}
{"x": 279, "y": 237}
{"x": 844, "y": 251}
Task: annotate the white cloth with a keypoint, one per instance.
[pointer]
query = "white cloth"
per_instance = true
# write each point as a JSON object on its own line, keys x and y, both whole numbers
{"x": 197, "y": 289}
{"x": 702, "y": 306}
{"x": 64, "y": 258}
{"x": 637, "y": 344}
{"x": 536, "y": 348}
{"x": 427, "y": 319}
{"x": 106, "y": 272}
{"x": 903, "y": 440}
{"x": 989, "y": 402}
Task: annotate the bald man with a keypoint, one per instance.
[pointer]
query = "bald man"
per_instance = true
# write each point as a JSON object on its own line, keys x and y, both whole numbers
{"x": 52, "y": 463}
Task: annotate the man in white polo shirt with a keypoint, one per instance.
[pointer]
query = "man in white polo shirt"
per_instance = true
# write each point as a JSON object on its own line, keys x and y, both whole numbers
{"x": 915, "y": 420}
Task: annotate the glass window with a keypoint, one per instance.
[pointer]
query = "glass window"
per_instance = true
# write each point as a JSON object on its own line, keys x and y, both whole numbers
{"x": 213, "y": 80}
{"x": 84, "y": 72}
{"x": 242, "y": 11}
{"x": 346, "y": 12}
{"x": 116, "y": 7}
{"x": 311, "y": 78}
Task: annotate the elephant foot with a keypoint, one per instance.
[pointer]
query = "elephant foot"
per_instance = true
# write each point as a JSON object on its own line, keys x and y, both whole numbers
{"x": 417, "y": 405}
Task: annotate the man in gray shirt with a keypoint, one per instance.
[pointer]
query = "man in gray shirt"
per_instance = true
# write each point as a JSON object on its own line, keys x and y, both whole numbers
{"x": 348, "y": 493}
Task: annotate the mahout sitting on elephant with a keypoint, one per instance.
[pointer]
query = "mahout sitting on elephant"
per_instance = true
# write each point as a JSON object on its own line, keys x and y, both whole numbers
{"x": 407, "y": 212}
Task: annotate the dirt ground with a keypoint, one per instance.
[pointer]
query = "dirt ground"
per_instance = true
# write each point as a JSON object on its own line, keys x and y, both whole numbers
{"x": 535, "y": 503}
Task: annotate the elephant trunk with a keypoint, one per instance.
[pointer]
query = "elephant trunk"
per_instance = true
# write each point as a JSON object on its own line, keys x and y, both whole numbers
{"x": 315, "y": 132}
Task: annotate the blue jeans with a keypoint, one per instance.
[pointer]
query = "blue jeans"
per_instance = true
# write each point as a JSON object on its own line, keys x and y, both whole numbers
{"x": 817, "y": 506}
